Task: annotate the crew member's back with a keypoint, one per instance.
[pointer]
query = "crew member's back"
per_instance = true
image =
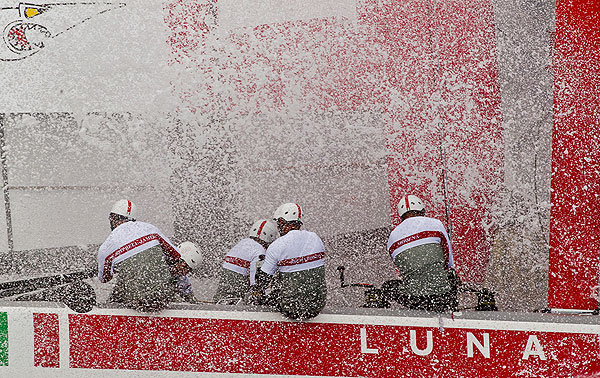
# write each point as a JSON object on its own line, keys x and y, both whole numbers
{"x": 298, "y": 259}
{"x": 421, "y": 251}
{"x": 141, "y": 257}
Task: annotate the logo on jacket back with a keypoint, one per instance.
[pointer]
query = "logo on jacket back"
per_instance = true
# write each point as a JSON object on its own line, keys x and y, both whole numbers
{"x": 27, "y": 26}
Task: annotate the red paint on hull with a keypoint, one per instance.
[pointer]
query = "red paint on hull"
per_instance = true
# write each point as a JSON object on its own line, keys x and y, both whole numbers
{"x": 575, "y": 183}
{"x": 46, "y": 347}
{"x": 323, "y": 349}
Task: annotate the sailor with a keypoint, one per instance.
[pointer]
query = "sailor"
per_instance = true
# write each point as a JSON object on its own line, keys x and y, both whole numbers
{"x": 191, "y": 258}
{"x": 243, "y": 260}
{"x": 298, "y": 258}
{"x": 142, "y": 257}
{"x": 421, "y": 251}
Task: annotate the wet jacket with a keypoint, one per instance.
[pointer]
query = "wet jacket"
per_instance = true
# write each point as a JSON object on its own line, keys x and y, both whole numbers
{"x": 141, "y": 256}
{"x": 422, "y": 253}
{"x": 239, "y": 269}
{"x": 298, "y": 258}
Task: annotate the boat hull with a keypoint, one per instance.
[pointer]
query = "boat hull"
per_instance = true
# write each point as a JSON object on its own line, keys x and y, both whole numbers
{"x": 238, "y": 341}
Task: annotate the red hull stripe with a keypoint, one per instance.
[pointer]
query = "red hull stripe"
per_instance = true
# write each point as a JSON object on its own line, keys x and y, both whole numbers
{"x": 237, "y": 261}
{"x": 46, "y": 346}
{"x": 169, "y": 251}
{"x": 302, "y": 260}
{"x": 231, "y": 347}
{"x": 407, "y": 204}
{"x": 299, "y": 212}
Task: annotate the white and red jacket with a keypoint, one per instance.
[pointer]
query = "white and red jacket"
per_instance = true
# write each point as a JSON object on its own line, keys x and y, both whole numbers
{"x": 243, "y": 257}
{"x": 417, "y": 231}
{"x": 129, "y": 239}
{"x": 295, "y": 251}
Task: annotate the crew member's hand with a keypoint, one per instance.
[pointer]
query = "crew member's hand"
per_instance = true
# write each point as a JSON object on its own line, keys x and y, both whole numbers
{"x": 190, "y": 298}
{"x": 256, "y": 297}
{"x": 454, "y": 279}
{"x": 180, "y": 268}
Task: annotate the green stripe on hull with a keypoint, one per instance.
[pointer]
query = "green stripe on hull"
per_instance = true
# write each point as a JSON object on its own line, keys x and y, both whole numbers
{"x": 3, "y": 339}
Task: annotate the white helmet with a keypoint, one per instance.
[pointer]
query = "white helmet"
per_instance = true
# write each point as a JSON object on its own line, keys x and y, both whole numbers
{"x": 124, "y": 207}
{"x": 289, "y": 212}
{"x": 265, "y": 230}
{"x": 190, "y": 254}
{"x": 410, "y": 203}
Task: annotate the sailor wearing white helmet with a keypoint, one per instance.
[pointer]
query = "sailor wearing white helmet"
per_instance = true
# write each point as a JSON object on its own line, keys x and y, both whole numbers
{"x": 191, "y": 258}
{"x": 141, "y": 256}
{"x": 243, "y": 259}
{"x": 421, "y": 251}
{"x": 298, "y": 258}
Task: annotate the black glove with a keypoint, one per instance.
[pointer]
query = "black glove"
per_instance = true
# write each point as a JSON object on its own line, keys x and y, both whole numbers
{"x": 454, "y": 280}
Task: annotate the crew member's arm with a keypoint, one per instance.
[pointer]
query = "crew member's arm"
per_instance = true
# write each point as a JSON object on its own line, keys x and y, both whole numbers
{"x": 100, "y": 269}
{"x": 255, "y": 266}
{"x": 262, "y": 280}
{"x": 447, "y": 247}
{"x": 453, "y": 277}
{"x": 264, "y": 275}
{"x": 104, "y": 271}
{"x": 184, "y": 288}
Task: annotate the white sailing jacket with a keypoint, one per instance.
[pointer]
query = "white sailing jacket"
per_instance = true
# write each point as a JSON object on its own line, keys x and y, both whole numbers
{"x": 417, "y": 231}
{"x": 243, "y": 257}
{"x": 129, "y": 239}
{"x": 295, "y": 251}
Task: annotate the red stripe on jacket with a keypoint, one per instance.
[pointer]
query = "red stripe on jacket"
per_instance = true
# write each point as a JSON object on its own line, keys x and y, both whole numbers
{"x": 168, "y": 250}
{"x": 302, "y": 260}
{"x": 237, "y": 261}
{"x": 423, "y": 235}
